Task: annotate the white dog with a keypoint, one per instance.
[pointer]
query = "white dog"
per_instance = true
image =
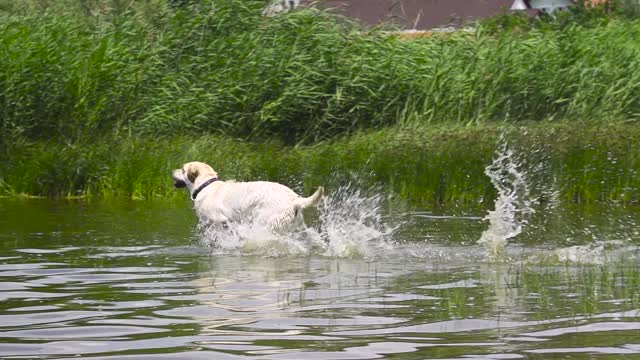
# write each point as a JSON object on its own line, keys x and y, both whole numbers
{"x": 269, "y": 204}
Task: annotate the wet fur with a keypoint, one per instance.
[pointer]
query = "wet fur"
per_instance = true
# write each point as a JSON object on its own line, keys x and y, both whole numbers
{"x": 272, "y": 205}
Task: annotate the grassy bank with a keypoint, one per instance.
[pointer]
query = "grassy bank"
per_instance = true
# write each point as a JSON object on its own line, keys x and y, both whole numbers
{"x": 104, "y": 98}
{"x": 221, "y": 68}
{"x": 425, "y": 165}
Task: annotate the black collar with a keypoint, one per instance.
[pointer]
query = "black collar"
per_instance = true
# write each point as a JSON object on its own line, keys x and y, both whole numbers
{"x": 206, "y": 183}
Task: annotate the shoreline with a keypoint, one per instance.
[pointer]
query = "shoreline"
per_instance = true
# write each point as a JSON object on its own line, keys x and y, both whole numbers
{"x": 441, "y": 164}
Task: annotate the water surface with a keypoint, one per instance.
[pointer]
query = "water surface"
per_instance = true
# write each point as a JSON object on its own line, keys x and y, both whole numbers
{"x": 134, "y": 280}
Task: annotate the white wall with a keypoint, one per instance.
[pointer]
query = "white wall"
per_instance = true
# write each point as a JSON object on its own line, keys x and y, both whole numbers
{"x": 278, "y": 6}
{"x": 550, "y": 5}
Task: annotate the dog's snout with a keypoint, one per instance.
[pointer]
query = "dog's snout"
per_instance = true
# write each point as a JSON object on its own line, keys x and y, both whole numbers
{"x": 177, "y": 181}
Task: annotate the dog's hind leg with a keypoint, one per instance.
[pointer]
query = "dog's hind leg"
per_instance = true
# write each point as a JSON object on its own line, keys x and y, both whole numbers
{"x": 282, "y": 222}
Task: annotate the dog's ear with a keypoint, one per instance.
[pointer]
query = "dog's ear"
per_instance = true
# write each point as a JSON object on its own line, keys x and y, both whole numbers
{"x": 192, "y": 173}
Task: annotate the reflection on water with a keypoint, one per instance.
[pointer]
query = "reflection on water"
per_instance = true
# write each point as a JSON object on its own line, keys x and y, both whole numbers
{"x": 130, "y": 280}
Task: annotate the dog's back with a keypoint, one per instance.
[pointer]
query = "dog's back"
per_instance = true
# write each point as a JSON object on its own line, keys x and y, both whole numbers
{"x": 278, "y": 207}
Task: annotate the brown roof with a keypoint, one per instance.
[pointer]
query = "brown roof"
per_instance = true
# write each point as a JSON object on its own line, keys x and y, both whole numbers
{"x": 418, "y": 14}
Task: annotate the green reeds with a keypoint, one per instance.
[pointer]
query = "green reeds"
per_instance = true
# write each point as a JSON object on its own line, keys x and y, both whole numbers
{"x": 107, "y": 97}
{"x": 220, "y": 67}
{"x": 424, "y": 165}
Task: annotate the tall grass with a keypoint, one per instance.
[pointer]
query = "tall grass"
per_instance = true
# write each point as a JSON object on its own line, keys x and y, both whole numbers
{"x": 423, "y": 165}
{"x": 105, "y": 97}
{"x": 220, "y": 67}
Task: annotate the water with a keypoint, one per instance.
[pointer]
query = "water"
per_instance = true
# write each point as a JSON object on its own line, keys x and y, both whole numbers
{"x": 513, "y": 205}
{"x": 138, "y": 280}
{"x": 349, "y": 224}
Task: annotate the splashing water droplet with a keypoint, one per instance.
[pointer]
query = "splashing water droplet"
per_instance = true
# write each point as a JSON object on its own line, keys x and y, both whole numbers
{"x": 350, "y": 225}
{"x": 513, "y": 205}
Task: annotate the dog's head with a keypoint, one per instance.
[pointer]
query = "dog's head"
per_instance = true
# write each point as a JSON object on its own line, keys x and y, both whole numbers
{"x": 192, "y": 173}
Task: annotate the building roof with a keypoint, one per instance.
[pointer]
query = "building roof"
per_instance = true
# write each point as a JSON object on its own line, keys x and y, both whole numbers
{"x": 418, "y": 14}
{"x": 430, "y": 14}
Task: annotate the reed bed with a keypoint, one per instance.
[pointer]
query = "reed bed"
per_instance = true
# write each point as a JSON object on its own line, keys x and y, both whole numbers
{"x": 422, "y": 165}
{"x": 221, "y": 68}
{"x": 105, "y": 97}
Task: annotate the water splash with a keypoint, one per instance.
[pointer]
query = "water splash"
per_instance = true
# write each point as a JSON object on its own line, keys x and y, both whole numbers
{"x": 350, "y": 224}
{"x": 248, "y": 238}
{"x": 513, "y": 205}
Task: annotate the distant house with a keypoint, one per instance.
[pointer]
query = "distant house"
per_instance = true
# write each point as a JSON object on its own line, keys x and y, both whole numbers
{"x": 418, "y": 14}
{"x": 280, "y": 5}
{"x": 425, "y": 14}
{"x": 549, "y": 6}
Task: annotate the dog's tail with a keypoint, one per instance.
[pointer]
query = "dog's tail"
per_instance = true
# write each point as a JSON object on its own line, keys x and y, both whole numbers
{"x": 312, "y": 200}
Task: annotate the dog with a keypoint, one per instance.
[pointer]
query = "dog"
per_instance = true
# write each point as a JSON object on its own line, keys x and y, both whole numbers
{"x": 220, "y": 203}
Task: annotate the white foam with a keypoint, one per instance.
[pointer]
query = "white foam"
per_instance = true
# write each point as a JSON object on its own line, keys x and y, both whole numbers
{"x": 350, "y": 225}
{"x": 513, "y": 205}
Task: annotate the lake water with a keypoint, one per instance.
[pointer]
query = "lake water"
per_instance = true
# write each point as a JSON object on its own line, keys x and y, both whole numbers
{"x": 137, "y": 280}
